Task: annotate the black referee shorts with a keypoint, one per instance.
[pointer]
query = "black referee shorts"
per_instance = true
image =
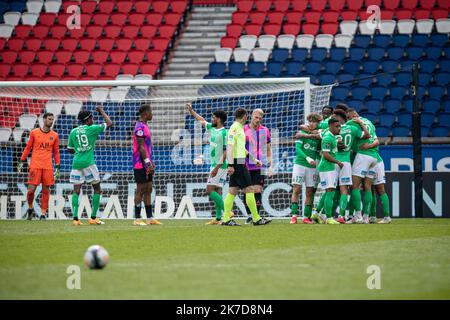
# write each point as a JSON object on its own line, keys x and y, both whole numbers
{"x": 241, "y": 177}
{"x": 140, "y": 176}
{"x": 257, "y": 178}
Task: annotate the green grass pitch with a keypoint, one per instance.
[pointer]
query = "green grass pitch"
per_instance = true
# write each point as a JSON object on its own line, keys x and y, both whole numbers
{"x": 185, "y": 259}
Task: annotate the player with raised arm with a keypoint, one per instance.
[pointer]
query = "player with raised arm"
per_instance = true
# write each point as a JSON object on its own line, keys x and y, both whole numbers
{"x": 43, "y": 145}
{"x": 305, "y": 172}
{"x": 258, "y": 143}
{"x": 144, "y": 166}
{"x": 239, "y": 174}
{"x": 82, "y": 143}
{"x": 217, "y": 151}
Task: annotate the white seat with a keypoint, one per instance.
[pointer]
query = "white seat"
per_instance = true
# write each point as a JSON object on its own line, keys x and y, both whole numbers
{"x": 343, "y": 40}
{"x": 30, "y": 18}
{"x": 266, "y": 41}
{"x": 387, "y": 27}
{"x": 260, "y": 54}
{"x": 285, "y": 41}
{"x": 99, "y": 94}
{"x": 73, "y": 107}
{"x": 17, "y": 134}
{"x": 124, "y": 77}
{"x": 52, "y": 6}
{"x": 424, "y": 26}
{"x": 142, "y": 77}
{"x": 365, "y": 28}
{"x": 35, "y": 5}
{"x": 118, "y": 94}
{"x": 305, "y": 41}
{"x": 247, "y": 41}
{"x": 6, "y": 30}
{"x": 348, "y": 27}
{"x": 223, "y": 54}
{"x": 324, "y": 41}
{"x": 241, "y": 55}
{"x": 27, "y": 121}
{"x": 5, "y": 134}
{"x": 443, "y": 25}
{"x": 12, "y": 18}
{"x": 54, "y": 107}
{"x": 406, "y": 26}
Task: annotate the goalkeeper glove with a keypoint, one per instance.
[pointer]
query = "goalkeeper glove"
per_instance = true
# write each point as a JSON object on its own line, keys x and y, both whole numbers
{"x": 57, "y": 172}
{"x": 19, "y": 166}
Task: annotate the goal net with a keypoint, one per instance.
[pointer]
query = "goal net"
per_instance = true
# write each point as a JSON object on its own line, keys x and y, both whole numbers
{"x": 181, "y": 148}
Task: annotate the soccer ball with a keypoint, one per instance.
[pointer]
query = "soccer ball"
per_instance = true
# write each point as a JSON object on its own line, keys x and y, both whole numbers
{"x": 96, "y": 257}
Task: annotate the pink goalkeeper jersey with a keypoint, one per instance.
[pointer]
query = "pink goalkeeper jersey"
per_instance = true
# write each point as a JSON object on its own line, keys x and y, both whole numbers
{"x": 256, "y": 144}
{"x": 141, "y": 130}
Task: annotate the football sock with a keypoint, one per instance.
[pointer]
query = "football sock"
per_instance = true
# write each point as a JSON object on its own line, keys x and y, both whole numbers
{"x": 350, "y": 208}
{"x": 228, "y": 205}
{"x": 95, "y": 205}
{"x": 30, "y": 198}
{"x": 218, "y": 202}
{"x": 44, "y": 200}
{"x": 148, "y": 211}
{"x": 258, "y": 199}
{"x": 321, "y": 203}
{"x": 137, "y": 211}
{"x": 335, "y": 201}
{"x": 343, "y": 204}
{"x": 294, "y": 208}
{"x": 385, "y": 204}
{"x": 75, "y": 197}
{"x": 367, "y": 202}
{"x": 329, "y": 196}
{"x": 373, "y": 205}
{"x": 308, "y": 210}
{"x": 356, "y": 200}
{"x": 251, "y": 203}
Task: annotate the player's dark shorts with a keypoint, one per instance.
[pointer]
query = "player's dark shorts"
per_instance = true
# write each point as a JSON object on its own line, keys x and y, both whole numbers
{"x": 241, "y": 177}
{"x": 257, "y": 178}
{"x": 140, "y": 176}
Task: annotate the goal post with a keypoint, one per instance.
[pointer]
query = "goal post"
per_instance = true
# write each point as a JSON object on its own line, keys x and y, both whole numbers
{"x": 181, "y": 147}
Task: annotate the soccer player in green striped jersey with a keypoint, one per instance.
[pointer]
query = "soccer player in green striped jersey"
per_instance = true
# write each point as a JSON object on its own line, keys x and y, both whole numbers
{"x": 217, "y": 150}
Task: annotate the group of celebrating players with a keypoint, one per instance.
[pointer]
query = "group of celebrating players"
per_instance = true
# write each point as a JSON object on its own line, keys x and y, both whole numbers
{"x": 336, "y": 151}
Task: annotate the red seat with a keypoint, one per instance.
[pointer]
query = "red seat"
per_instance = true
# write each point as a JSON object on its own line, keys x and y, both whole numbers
{"x": 329, "y": 28}
{"x": 444, "y": 4}
{"x": 10, "y": 56}
{"x": 118, "y": 19}
{"x": 124, "y": 44}
{"x": 75, "y": 69}
{"x": 291, "y": 28}
{"x": 2, "y": 43}
{"x": 142, "y": 44}
{"x": 86, "y": 19}
{"x": 349, "y": 15}
{"x": 337, "y": 5}
{"x": 58, "y": 32}
{"x": 257, "y": 17}
{"x": 94, "y": 31}
{"x": 281, "y": 5}
{"x": 35, "y": 108}
{"x": 111, "y": 70}
{"x": 149, "y": 68}
{"x": 427, "y": 4}
{"x": 310, "y": 28}
{"x": 67, "y": 4}
{"x": 20, "y": 70}
{"x": 154, "y": 19}
{"x": 47, "y": 19}
{"x": 22, "y": 31}
{"x": 81, "y": 56}
{"x": 391, "y": 4}
{"x": 263, "y": 5}
{"x": 106, "y": 6}
{"x": 422, "y": 14}
{"x": 363, "y": 15}
{"x": 160, "y": 44}
{"x": 88, "y": 6}
{"x": 172, "y": 19}
{"x": 148, "y": 31}
{"x": 373, "y": 2}
{"x": 275, "y": 17}
{"x": 105, "y": 44}
{"x": 272, "y": 29}
{"x": 69, "y": 44}
{"x": 130, "y": 31}
{"x": 409, "y": 4}
{"x": 178, "y": 6}
{"x": 63, "y": 19}
{"x": 437, "y": 13}
{"x": 9, "y": 121}
{"x": 45, "y": 56}
{"x": 160, "y": 6}
{"x": 401, "y": 14}
{"x": 51, "y": 44}
{"x": 40, "y": 31}
{"x": 228, "y": 42}
{"x": 31, "y": 44}
{"x": 142, "y": 6}
{"x": 136, "y": 19}
{"x": 155, "y": 57}
{"x": 312, "y": 16}
{"x": 100, "y": 56}
{"x": 239, "y": 17}
{"x": 130, "y": 68}
{"x": 88, "y": 44}
{"x": 101, "y": 19}
{"x": 5, "y": 69}
{"x": 387, "y": 14}
{"x": 76, "y": 33}
{"x": 294, "y": 17}
{"x": 167, "y": 31}
{"x": 63, "y": 56}
{"x": 136, "y": 56}
{"x": 56, "y": 69}
{"x": 112, "y": 31}
{"x": 318, "y": 5}
{"x": 253, "y": 29}
{"x": 94, "y": 70}
{"x": 354, "y": 5}
{"x": 330, "y": 16}
{"x": 234, "y": 30}
{"x": 245, "y": 6}
{"x": 299, "y": 5}
{"x": 39, "y": 70}
{"x": 124, "y": 6}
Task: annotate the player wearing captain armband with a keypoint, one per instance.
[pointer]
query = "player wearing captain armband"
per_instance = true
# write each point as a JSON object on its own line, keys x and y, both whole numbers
{"x": 217, "y": 148}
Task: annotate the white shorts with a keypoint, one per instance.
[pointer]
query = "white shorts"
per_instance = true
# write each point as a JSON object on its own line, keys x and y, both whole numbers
{"x": 329, "y": 179}
{"x": 219, "y": 179}
{"x": 308, "y": 176}
{"x": 363, "y": 166}
{"x": 88, "y": 175}
{"x": 379, "y": 174}
{"x": 345, "y": 174}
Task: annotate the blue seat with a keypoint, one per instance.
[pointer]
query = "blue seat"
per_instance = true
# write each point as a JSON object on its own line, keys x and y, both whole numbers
{"x": 444, "y": 119}
{"x": 332, "y": 67}
{"x": 274, "y": 69}
{"x": 365, "y": 79}
{"x": 18, "y": 6}
{"x": 405, "y": 118}
{"x": 427, "y": 65}
{"x": 419, "y": 40}
{"x": 442, "y": 78}
{"x": 384, "y": 79}
{"x": 338, "y": 54}
{"x": 424, "y": 79}
{"x": 400, "y": 131}
{"x": 444, "y": 64}
{"x": 299, "y": 54}
{"x": 217, "y": 69}
{"x": 370, "y": 66}
{"x": 431, "y": 105}
{"x": 376, "y": 53}
{"x": 351, "y": 66}
{"x": 334, "y": 103}
{"x": 293, "y": 68}
{"x": 407, "y": 63}
{"x": 370, "y": 116}
{"x": 359, "y": 92}
{"x": 414, "y": 53}
{"x": 408, "y": 104}
{"x": 389, "y": 65}
{"x": 395, "y": 53}
{"x": 378, "y": 92}
{"x": 313, "y": 68}
{"x": 345, "y": 79}
{"x": 392, "y": 105}
{"x": 447, "y": 51}
{"x": 447, "y": 105}
{"x": 362, "y": 41}
{"x": 403, "y": 78}
{"x": 255, "y": 68}
{"x": 433, "y": 52}
{"x": 438, "y": 40}
{"x": 340, "y": 93}
{"x": 397, "y": 91}
{"x": 357, "y": 53}
{"x": 382, "y": 41}
{"x": 427, "y": 118}
{"x": 327, "y": 78}
{"x": 318, "y": 54}
{"x": 383, "y": 131}
{"x": 424, "y": 131}
{"x": 440, "y": 131}
{"x": 280, "y": 54}
{"x": 436, "y": 92}
{"x": 236, "y": 68}
{"x": 401, "y": 40}
{"x": 386, "y": 118}
{"x": 373, "y": 105}
{"x": 355, "y": 104}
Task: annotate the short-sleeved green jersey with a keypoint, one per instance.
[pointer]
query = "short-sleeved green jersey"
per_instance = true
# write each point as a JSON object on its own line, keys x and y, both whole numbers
{"x": 372, "y": 152}
{"x": 323, "y": 124}
{"x": 82, "y": 140}
{"x": 329, "y": 144}
{"x": 236, "y": 137}
{"x": 348, "y": 136}
{"x": 217, "y": 145}
{"x": 306, "y": 148}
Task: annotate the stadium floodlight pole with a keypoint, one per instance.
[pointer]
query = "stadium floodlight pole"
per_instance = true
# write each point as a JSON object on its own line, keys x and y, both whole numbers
{"x": 417, "y": 145}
